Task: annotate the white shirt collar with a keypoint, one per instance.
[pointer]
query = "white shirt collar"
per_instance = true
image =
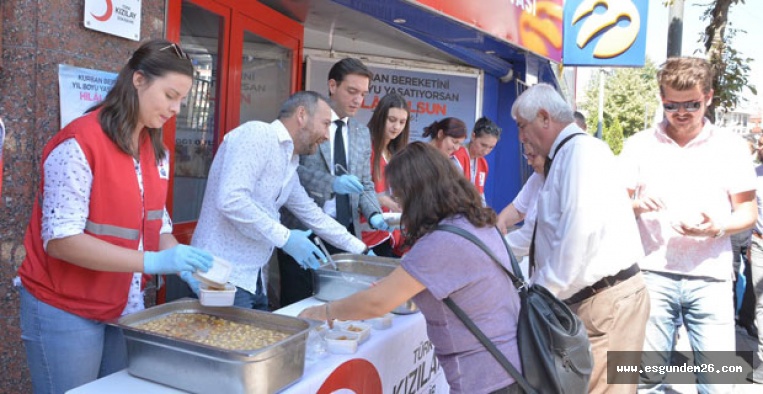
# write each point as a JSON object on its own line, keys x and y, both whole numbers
{"x": 571, "y": 128}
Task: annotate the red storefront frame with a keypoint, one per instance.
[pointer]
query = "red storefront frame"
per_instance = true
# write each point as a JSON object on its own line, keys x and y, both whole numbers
{"x": 237, "y": 17}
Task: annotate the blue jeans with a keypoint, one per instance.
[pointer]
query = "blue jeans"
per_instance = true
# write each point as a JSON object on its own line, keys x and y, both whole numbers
{"x": 245, "y": 299}
{"x": 258, "y": 300}
{"x": 756, "y": 265}
{"x": 65, "y": 351}
{"x": 706, "y": 307}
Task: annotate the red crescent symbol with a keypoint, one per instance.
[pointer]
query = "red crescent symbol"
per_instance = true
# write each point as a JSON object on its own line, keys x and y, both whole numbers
{"x": 357, "y": 375}
{"x": 106, "y": 15}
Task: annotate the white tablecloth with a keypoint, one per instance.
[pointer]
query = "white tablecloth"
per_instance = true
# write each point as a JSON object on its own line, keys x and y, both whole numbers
{"x": 396, "y": 360}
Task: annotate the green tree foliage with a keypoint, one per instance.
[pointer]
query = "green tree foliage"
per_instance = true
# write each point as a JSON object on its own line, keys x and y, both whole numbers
{"x": 613, "y": 136}
{"x": 630, "y": 101}
{"x": 731, "y": 68}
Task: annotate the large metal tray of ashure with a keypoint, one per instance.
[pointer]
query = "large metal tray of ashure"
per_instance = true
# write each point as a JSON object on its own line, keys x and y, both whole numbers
{"x": 200, "y": 368}
{"x": 354, "y": 273}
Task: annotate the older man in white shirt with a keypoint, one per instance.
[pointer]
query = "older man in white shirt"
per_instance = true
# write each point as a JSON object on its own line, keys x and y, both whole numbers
{"x": 586, "y": 242}
{"x": 253, "y": 175}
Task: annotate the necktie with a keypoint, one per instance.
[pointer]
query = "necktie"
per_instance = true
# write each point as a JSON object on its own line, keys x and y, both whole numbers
{"x": 343, "y": 215}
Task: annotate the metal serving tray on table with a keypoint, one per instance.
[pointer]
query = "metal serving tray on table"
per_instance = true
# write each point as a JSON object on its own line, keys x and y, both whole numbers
{"x": 353, "y": 273}
{"x": 200, "y": 368}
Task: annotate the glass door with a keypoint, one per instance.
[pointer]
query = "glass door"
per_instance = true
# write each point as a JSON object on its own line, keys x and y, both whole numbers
{"x": 266, "y": 64}
{"x": 265, "y": 78}
{"x": 198, "y": 123}
{"x": 248, "y": 60}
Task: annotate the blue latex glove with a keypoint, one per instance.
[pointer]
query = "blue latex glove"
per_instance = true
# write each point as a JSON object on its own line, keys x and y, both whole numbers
{"x": 303, "y": 250}
{"x": 176, "y": 259}
{"x": 347, "y": 184}
{"x": 187, "y": 277}
{"x": 377, "y": 221}
{"x": 370, "y": 253}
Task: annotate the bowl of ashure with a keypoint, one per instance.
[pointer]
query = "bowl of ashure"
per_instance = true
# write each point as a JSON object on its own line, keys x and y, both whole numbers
{"x": 362, "y": 329}
{"x": 341, "y": 342}
{"x": 217, "y": 296}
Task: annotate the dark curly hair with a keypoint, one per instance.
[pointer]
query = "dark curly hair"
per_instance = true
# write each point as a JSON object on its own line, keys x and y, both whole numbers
{"x": 430, "y": 188}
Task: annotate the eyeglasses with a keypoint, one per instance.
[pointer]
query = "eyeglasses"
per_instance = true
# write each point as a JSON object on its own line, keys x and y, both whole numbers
{"x": 689, "y": 106}
{"x": 178, "y": 51}
{"x": 529, "y": 156}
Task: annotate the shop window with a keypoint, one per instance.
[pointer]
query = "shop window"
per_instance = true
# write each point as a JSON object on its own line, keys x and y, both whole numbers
{"x": 198, "y": 120}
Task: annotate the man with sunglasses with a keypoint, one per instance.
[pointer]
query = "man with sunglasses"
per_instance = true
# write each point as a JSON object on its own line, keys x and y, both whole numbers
{"x": 692, "y": 185}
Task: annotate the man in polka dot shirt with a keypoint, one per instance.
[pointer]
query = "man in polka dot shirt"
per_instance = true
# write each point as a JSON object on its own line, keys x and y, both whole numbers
{"x": 253, "y": 175}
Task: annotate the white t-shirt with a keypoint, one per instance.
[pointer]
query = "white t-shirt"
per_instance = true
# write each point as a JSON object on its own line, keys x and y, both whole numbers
{"x": 526, "y": 202}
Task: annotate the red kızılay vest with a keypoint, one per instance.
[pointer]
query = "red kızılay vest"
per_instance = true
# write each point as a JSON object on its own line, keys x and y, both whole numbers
{"x": 116, "y": 215}
{"x": 462, "y": 155}
{"x": 370, "y": 236}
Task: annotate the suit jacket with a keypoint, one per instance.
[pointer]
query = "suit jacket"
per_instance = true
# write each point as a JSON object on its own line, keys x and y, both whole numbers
{"x": 315, "y": 175}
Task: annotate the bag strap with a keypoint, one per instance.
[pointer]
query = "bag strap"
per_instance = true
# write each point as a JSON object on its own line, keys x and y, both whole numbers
{"x": 505, "y": 363}
{"x": 516, "y": 277}
{"x": 546, "y": 169}
{"x": 518, "y": 283}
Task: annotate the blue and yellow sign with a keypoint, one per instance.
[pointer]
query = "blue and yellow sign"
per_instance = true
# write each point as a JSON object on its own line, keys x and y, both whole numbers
{"x": 605, "y": 32}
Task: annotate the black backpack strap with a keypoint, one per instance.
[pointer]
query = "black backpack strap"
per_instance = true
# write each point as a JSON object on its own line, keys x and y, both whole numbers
{"x": 505, "y": 363}
{"x": 518, "y": 283}
{"x": 547, "y": 168}
{"x": 516, "y": 277}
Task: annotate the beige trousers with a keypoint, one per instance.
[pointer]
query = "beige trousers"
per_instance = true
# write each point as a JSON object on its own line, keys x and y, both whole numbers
{"x": 615, "y": 319}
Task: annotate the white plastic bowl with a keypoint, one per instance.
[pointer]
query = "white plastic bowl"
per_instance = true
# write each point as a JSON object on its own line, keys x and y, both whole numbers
{"x": 341, "y": 342}
{"x": 381, "y": 323}
{"x": 362, "y": 329}
{"x": 218, "y": 274}
{"x": 392, "y": 218}
{"x": 216, "y": 297}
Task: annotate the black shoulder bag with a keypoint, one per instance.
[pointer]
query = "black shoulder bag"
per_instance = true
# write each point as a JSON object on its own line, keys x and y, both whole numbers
{"x": 553, "y": 343}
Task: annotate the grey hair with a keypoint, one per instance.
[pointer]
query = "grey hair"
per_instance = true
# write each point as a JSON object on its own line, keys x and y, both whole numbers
{"x": 542, "y": 96}
{"x": 306, "y": 98}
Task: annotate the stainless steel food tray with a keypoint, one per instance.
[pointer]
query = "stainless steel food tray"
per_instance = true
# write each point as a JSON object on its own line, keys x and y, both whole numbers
{"x": 355, "y": 272}
{"x": 199, "y": 368}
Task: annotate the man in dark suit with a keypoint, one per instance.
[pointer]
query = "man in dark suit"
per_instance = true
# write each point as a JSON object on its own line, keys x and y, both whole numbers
{"x": 338, "y": 175}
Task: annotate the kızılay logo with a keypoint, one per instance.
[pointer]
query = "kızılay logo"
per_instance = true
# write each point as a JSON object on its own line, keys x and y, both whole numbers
{"x": 615, "y": 39}
{"x": 106, "y": 15}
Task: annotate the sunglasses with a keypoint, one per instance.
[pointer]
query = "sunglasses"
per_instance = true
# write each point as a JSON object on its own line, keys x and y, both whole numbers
{"x": 689, "y": 106}
{"x": 178, "y": 51}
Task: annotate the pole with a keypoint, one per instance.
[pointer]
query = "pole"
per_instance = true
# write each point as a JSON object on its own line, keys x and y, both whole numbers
{"x": 675, "y": 28}
{"x": 600, "y": 125}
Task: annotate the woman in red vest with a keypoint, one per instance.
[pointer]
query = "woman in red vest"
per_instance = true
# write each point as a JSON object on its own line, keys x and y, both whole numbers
{"x": 99, "y": 224}
{"x": 447, "y": 135}
{"x": 390, "y": 127}
{"x": 471, "y": 158}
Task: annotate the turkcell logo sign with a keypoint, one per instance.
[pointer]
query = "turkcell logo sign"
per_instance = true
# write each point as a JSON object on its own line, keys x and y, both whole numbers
{"x": 605, "y": 32}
